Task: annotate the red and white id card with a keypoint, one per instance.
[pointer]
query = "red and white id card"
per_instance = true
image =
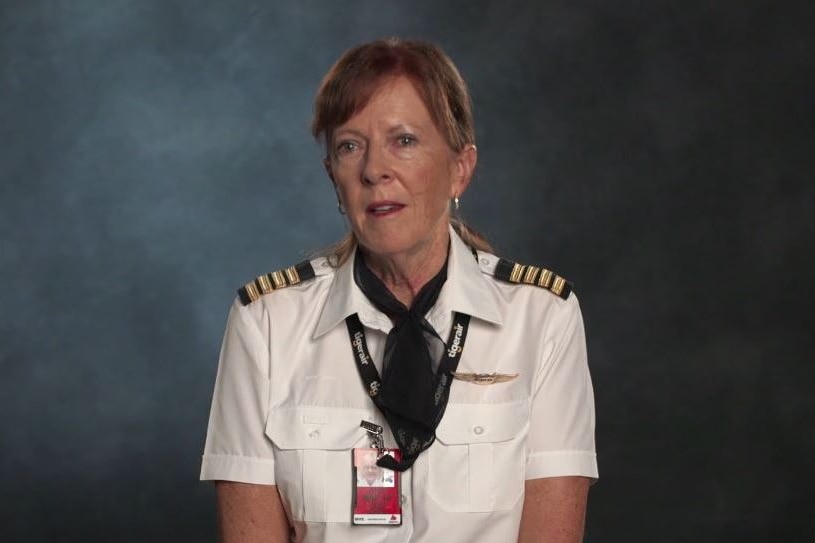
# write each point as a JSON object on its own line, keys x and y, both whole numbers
{"x": 377, "y": 499}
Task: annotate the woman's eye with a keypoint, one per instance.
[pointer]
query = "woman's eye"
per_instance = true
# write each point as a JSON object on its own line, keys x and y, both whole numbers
{"x": 406, "y": 140}
{"x": 346, "y": 147}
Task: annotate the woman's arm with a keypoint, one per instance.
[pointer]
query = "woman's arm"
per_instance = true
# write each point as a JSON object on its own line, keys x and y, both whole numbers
{"x": 249, "y": 513}
{"x": 554, "y": 510}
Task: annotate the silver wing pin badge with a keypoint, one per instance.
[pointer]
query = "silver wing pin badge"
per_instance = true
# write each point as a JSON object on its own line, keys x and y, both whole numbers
{"x": 484, "y": 378}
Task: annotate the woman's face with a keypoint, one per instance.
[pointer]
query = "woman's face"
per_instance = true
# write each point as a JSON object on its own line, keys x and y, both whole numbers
{"x": 395, "y": 174}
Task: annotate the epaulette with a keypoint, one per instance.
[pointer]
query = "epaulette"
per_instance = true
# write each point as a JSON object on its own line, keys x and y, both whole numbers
{"x": 506, "y": 270}
{"x": 276, "y": 280}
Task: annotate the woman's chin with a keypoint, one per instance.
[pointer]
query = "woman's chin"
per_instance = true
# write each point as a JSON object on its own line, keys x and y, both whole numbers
{"x": 386, "y": 248}
{"x": 396, "y": 240}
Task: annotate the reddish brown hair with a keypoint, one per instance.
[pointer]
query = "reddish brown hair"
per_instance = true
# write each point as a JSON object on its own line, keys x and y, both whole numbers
{"x": 350, "y": 83}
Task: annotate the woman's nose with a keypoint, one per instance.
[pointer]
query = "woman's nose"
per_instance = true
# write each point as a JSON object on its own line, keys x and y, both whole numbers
{"x": 376, "y": 168}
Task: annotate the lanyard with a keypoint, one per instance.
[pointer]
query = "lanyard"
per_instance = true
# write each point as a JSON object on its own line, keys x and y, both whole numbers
{"x": 443, "y": 378}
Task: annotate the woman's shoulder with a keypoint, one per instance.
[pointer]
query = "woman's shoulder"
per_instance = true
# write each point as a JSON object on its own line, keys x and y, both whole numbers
{"x": 301, "y": 276}
{"x": 508, "y": 271}
{"x": 533, "y": 295}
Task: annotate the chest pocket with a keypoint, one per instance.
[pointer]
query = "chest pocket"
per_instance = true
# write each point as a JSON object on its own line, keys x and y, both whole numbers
{"x": 477, "y": 463}
{"x": 313, "y": 459}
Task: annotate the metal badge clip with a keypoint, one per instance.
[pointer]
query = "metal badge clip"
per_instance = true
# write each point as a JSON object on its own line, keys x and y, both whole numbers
{"x": 375, "y": 433}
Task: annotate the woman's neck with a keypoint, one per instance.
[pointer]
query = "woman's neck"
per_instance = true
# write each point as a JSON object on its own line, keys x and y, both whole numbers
{"x": 405, "y": 274}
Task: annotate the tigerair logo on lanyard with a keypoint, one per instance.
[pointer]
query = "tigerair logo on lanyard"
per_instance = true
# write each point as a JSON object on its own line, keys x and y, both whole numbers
{"x": 455, "y": 346}
{"x": 358, "y": 342}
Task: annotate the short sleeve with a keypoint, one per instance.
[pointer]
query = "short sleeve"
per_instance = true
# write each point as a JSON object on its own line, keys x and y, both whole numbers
{"x": 561, "y": 434}
{"x": 237, "y": 448}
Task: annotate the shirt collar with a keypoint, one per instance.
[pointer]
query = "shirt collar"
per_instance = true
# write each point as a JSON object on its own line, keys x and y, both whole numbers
{"x": 466, "y": 290}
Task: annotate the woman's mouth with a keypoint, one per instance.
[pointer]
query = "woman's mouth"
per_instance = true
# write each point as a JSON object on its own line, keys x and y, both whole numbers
{"x": 382, "y": 209}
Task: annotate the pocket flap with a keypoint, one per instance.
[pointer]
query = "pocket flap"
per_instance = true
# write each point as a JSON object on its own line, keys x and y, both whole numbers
{"x": 481, "y": 423}
{"x": 316, "y": 427}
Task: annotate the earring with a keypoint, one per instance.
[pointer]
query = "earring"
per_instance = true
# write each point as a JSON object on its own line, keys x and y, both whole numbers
{"x": 340, "y": 208}
{"x": 456, "y": 204}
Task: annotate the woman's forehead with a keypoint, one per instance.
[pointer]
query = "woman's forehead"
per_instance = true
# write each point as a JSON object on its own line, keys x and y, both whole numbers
{"x": 399, "y": 88}
{"x": 392, "y": 102}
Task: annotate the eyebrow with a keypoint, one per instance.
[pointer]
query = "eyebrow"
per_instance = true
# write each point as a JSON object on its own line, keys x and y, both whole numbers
{"x": 401, "y": 127}
{"x": 347, "y": 132}
{"x": 395, "y": 129}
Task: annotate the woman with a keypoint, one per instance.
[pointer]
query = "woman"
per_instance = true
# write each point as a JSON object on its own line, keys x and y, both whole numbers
{"x": 490, "y": 431}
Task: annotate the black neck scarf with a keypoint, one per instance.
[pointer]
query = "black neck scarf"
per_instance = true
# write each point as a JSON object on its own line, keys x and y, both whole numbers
{"x": 406, "y": 397}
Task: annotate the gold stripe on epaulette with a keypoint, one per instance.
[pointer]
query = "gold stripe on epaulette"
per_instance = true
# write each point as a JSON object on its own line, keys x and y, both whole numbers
{"x": 517, "y": 270}
{"x": 278, "y": 279}
{"x": 265, "y": 286}
{"x": 558, "y": 285}
{"x": 292, "y": 275}
{"x": 252, "y": 291}
{"x": 546, "y": 278}
{"x": 531, "y": 274}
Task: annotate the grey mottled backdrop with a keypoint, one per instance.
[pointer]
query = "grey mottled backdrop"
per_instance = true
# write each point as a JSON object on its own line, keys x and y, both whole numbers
{"x": 154, "y": 155}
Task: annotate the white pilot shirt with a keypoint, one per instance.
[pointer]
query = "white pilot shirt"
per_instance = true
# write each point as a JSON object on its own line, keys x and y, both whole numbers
{"x": 288, "y": 402}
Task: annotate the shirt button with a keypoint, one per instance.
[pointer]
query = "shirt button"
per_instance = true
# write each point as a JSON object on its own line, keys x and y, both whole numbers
{"x": 314, "y": 433}
{"x": 478, "y": 430}
{"x": 485, "y": 261}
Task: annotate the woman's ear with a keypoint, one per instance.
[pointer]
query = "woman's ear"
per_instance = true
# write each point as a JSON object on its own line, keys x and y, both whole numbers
{"x": 465, "y": 166}
{"x": 327, "y": 166}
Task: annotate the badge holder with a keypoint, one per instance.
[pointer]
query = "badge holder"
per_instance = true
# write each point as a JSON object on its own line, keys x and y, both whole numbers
{"x": 376, "y": 495}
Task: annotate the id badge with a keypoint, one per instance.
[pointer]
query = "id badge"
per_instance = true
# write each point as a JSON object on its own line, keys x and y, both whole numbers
{"x": 377, "y": 499}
